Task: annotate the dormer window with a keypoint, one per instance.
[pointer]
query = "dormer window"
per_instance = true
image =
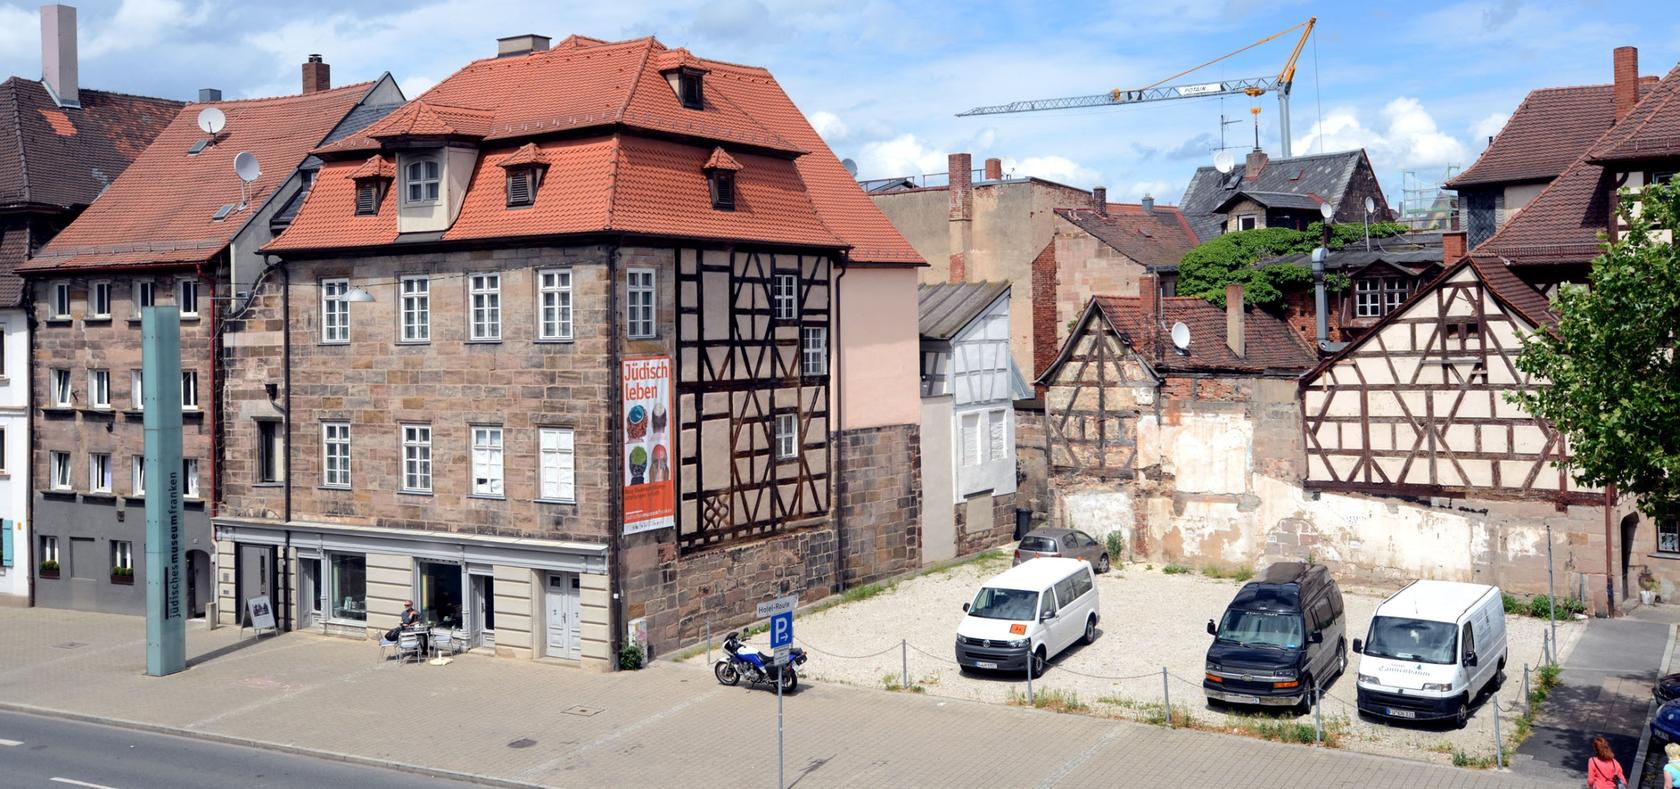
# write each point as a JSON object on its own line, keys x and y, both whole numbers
{"x": 372, "y": 179}
{"x": 720, "y": 176}
{"x": 367, "y": 197}
{"x": 421, "y": 181}
{"x": 691, "y": 89}
{"x": 522, "y": 185}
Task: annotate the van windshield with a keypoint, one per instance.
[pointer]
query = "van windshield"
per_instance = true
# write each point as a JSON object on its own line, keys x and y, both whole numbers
{"x": 1017, "y": 604}
{"x": 1261, "y": 628}
{"x": 1412, "y": 639}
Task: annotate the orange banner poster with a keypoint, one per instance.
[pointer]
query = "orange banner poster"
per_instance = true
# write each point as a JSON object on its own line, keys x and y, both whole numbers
{"x": 649, "y": 491}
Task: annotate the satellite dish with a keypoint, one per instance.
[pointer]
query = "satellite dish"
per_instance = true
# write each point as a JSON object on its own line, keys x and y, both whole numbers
{"x": 1326, "y": 210}
{"x": 211, "y": 120}
{"x": 1181, "y": 336}
{"x": 1370, "y": 205}
{"x": 851, "y": 166}
{"x": 1223, "y": 161}
{"x": 246, "y": 167}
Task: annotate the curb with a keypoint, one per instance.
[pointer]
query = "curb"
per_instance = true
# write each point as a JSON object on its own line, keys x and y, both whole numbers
{"x": 1651, "y": 712}
{"x": 226, "y": 739}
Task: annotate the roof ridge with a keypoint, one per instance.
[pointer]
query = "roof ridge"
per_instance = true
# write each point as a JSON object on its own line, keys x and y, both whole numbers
{"x": 17, "y": 128}
{"x": 636, "y": 81}
{"x": 284, "y": 99}
{"x": 1634, "y": 131}
{"x": 612, "y": 177}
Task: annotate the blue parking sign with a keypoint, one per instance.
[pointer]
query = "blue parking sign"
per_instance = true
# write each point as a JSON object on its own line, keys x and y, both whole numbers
{"x": 781, "y": 630}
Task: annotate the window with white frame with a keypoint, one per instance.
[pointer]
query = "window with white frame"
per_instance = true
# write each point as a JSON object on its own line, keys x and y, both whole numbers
{"x": 335, "y": 310}
{"x": 487, "y": 461}
{"x": 137, "y": 476}
{"x": 99, "y": 472}
{"x": 416, "y": 309}
{"x": 784, "y": 297}
{"x": 813, "y": 350}
{"x": 99, "y": 300}
{"x": 271, "y": 451}
{"x": 61, "y": 388}
{"x": 1374, "y": 297}
{"x": 485, "y": 294}
{"x": 639, "y": 304}
{"x": 49, "y": 550}
{"x": 335, "y": 454}
{"x": 1247, "y": 222}
{"x": 556, "y": 465}
{"x": 137, "y": 390}
{"x": 970, "y": 437}
{"x": 417, "y": 458}
{"x": 422, "y": 181}
{"x": 997, "y": 430}
{"x": 189, "y": 478}
{"x": 1668, "y": 534}
{"x": 60, "y": 301}
{"x": 99, "y": 388}
{"x": 189, "y": 390}
{"x": 554, "y": 304}
{"x": 59, "y": 468}
{"x": 787, "y": 436}
{"x": 140, "y": 295}
{"x": 122, "y": 555}
{"x": 186, "y": 296}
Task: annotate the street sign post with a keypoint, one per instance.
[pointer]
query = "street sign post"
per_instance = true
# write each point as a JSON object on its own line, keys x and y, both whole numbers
{"x": 780, "y": 613}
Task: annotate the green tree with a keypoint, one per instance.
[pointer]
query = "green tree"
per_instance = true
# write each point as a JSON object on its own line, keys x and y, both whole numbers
{"x": 1614, "y": 387}
{"x": 1230, "y": 258}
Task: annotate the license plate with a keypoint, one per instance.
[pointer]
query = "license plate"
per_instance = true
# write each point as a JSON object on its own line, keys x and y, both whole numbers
{"x": 984, "y": 664}
{"x": 1394, "y": 713}
{"x": 1241, "y": 699}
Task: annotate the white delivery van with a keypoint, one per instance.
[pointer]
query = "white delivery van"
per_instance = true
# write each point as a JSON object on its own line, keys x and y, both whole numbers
{"x": 1432, "y": 649}
{"x": 1033, "y": 610}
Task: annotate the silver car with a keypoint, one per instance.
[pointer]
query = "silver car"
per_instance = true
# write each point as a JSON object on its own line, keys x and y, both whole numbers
{"x": 1069, "y": 543}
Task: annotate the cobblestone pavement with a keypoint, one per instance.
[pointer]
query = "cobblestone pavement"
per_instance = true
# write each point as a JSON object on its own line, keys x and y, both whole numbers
{"x": 669, "y": 725}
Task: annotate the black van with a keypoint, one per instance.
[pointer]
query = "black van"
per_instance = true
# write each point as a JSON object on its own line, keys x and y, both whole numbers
{"x": 1284, "y": 632}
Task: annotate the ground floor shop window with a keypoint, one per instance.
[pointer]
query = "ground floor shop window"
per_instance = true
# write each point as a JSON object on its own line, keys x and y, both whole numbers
{"x": 1668, "y": 534}
{"x": 439, "y": 598}
{"x": 349, "y": 587}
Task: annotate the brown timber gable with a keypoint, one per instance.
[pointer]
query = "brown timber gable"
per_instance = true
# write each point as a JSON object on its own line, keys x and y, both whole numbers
{"x": 1092, "y": 403}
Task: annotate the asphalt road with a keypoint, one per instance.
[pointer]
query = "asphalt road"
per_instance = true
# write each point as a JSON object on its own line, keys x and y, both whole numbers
{"x": 49, "y": 753}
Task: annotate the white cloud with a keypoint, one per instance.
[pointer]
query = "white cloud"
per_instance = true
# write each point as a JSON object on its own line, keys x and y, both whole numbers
{"x": 905, "y": 154}
{"x": 1487, "y": 127}
{"x": 141, "y": 23}
{"x": 19, "y": 29}
{"x": 1054, "y": 168}
{"x": 833, "y": 130}
{"x": 1410, "y": 137}
{"x": 1163, "y": 191}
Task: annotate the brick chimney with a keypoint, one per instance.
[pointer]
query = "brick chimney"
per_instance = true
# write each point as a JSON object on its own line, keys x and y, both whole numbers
{"x": 1149, "y": 297}
{"x": 1627, "y": 80}
{"x": 994, "y": 169}
{"x": 1452, "y": 247}
{"x": 58, "y": 54}
{"x": 1236, "y": 334}
{"x": 960, "y": 174}
{"x": 1257, "y": 160}
{"x": 516, "y": 46}
{"x": 317, "y": 75}
{"x": 1099, "y": 200}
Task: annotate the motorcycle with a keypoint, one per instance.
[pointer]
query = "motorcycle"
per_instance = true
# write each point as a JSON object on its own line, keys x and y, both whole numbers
{"x": 740, "y": 661}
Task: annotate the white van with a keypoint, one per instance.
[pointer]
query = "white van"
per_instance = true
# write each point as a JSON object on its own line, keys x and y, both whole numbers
{"x": 1432, "y": 649}
{"x": 1035, "y": 609}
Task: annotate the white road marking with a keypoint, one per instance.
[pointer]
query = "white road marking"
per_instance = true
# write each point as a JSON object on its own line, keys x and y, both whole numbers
{"x": 74, "y": 782}
{"x": 11, "y": 743}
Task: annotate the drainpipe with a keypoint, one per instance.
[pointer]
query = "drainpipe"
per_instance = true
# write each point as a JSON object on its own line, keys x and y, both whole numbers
{"x": 615, "y": 468}
{"x": 835, "y": 431}
{"x": 286, "y": 428}
{"x": 1609, "y": 550}
{"x": 29, "y": 429}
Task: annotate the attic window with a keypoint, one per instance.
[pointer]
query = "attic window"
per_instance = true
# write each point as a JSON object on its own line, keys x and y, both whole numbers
{"x": 691, "y": 89}
{"x": 198, "y": 147}
{"x": 422, "y": 181}
{"x": 723, "y": 189}
{"x": 222, "y": 213}
{"x": 522, "y": 183}
{"x": 367, "y": 196}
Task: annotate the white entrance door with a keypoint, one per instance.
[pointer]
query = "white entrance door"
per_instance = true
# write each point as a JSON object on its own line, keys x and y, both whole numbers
{"x": 565, "y": 635}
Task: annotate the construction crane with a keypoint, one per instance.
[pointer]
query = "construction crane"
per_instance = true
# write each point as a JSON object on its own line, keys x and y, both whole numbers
{"x": 1252, "y": 87}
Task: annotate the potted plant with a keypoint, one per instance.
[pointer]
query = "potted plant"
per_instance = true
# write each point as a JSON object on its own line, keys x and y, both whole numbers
{"x": 122, "y": 575}
{"x": 1647, "y": 588}
{"x": 49, "y": 569}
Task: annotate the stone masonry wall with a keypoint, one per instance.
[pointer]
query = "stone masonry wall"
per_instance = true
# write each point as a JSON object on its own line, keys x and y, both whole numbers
{"x": 997, "y": 529}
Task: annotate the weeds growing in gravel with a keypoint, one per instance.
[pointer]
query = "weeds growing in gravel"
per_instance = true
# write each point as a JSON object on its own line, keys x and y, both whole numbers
{"x": 1462, "y": 759}
{"x": 894, "y": 682}
{"x": 1050, "y": 699}
{"x": 1175, "y": 569}
{"x": 1240, "y": 574}
{"x": 1266, "y": 728}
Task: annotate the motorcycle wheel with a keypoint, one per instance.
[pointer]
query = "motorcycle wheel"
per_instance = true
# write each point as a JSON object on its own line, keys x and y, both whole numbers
{"x": 726, "y": 674}
{"x": 790, "y": 681}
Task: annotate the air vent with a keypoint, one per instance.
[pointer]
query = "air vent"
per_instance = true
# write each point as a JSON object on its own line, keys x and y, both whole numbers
{"x": 367, "y": 199}
{"x": 519, "y": 188}
{"x": 198, "y": 147}
{"x": 222, "y": 213}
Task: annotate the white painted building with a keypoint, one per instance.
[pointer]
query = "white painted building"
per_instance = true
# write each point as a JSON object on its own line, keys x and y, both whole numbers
{"x": 14, "y": 456}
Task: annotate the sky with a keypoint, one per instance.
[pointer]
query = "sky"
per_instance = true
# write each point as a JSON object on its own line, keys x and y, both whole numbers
{"x": 1419, "y": 85}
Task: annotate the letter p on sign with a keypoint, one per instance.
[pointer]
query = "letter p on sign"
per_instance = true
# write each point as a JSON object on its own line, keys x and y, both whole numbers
{"x": 781, "y": 630}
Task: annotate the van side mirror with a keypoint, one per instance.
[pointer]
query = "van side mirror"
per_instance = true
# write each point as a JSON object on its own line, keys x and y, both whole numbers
{"x": 1212, "y": 630}
{"x": 965, "y": 608}
{"x": 1315, "y": 637}
{"x": 1047, "y": 616}
{"x": 1358, "y": 647}
{"x": 1470, "y": 659}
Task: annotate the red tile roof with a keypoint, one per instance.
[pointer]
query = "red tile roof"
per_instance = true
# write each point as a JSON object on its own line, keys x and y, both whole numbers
{"x": 721, "y": 160}
{"x": 161, "y": 209}
{"x": 527, "y": 155}
{"x": 1270, "y": 344}
{"x": 1152, "y": 239}
{"x": 1650, "y": 131}
{"x": 586, "y": 87}
{"x": 374, "y": 167}
{"x": 421, "y": 118}
{"x": 66, "y": 157}
{"x": 1548, "y": 131}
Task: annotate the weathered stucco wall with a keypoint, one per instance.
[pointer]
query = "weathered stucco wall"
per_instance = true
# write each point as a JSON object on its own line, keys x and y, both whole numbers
{"x": 879, "y": 348}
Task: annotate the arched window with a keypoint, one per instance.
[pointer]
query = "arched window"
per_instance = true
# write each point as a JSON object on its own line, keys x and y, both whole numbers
{"x": 422, "y": 181}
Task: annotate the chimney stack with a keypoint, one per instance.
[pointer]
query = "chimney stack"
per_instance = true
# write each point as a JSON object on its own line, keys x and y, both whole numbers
{"x": 1149, "y": 297}
{"x": 1452, "y": 247}
{"x": 516, "y": 46}
{"x": 1236, "y": 334}
{"x": 58, "y": 54}
{"x": 994, "y": 169}
{"x": 1627, "y": 80}
{"x": 1149, "y": 204}
{"x": 1099, "y": 200}
{"x": 209, "y": 95}
{"x": 960, "y": 175}
{"x": 1256, "y": 162}
{"x": 317, "y": 75}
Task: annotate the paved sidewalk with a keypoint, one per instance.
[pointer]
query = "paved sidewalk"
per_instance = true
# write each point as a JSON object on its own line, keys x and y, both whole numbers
{"x": 668, "y": 725}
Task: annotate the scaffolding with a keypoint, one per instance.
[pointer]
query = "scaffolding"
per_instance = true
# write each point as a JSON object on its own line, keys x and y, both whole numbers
{"x": 1425, "y": 204}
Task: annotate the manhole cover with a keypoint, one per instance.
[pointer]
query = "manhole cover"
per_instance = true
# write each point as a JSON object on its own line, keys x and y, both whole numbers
{"x": 523, "y": 742}
{"x": 70, "y": 645}
{"x": 582, "y": 712}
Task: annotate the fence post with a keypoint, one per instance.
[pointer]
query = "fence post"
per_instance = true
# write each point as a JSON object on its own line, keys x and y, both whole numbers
{"x": 904, "y": 657}
{"x": 1498, "y": 741}
{"x": 1029, "y": 673}
{"x": 1528, "y": 700}
{"x": 1545, "y": 648}
{"x": 1166, "y": 697}
{"x": 1318, "y": 714}
{"x": 708, "y": 643}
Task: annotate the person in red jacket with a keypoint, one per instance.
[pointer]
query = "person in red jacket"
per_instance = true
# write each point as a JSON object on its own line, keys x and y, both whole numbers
{"x": 1603, "y": 771}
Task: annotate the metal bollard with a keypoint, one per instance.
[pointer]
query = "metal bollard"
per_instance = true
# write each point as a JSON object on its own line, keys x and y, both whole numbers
{"x": 1498, "y": 741}
{"x": 1166, "y": 697}
{"x": 708, "y": 643}
{"x": 1318, "y": 715}
{"x": 1029, "y": 674}
{"x": 904, "y": 657}
{"x": 1528, "y": 700}
{"x": 1545, "y": 648}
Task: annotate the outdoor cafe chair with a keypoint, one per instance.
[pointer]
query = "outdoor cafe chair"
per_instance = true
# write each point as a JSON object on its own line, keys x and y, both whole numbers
{"x": 385, "y": 645}
{"x": 442, "y": 641}
{"x": 408, "y": 645}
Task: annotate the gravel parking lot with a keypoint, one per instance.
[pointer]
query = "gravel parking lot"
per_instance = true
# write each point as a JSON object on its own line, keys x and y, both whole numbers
{"x": 1149, "y": 620}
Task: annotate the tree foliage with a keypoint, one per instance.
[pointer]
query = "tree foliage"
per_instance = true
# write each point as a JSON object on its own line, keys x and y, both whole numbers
{"x": 1614, "y": 385}
{"x": 1230, "y": 258}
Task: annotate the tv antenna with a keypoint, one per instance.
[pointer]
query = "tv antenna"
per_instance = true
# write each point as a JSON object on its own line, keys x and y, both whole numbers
{"x": 1181, "y": 337}
{"x": 246, "y": 167}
